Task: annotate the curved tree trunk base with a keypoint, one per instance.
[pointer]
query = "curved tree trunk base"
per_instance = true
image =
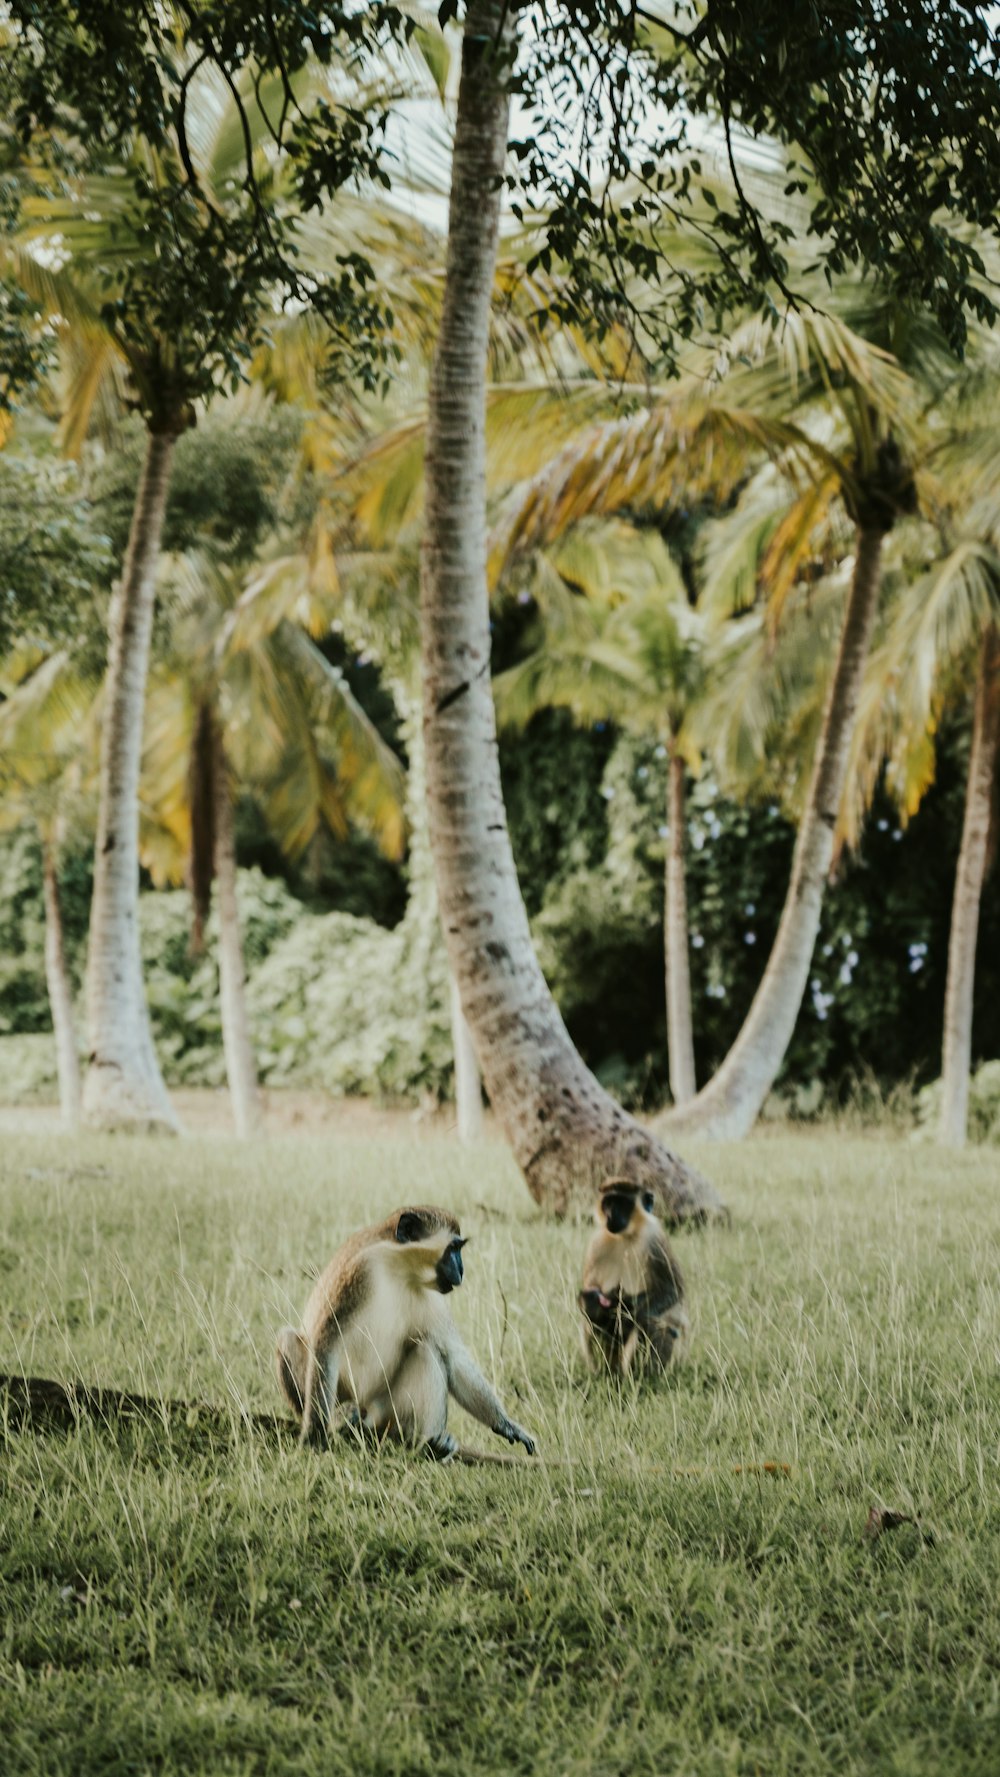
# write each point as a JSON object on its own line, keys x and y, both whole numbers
{"x": 120, "y": 1106}
{"x": 691, "y": 1122}
{"x": 567, "y": 1133}
{"x": 591, "y": 1143}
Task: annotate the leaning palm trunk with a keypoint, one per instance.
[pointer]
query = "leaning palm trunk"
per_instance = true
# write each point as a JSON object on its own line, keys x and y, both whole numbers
{"x": 124, "y": 1087}
{"x": 728, "y": 1106}
{"x": 468, "y": 1083}
{"x": 241, "y": 1070}
{"x": 566, "y": 1131}
{"x": 422, "y": 920}
{"x": 969, "y": 877}
{"x": 60, "y": 995}
{"x": 680, "y": 1038}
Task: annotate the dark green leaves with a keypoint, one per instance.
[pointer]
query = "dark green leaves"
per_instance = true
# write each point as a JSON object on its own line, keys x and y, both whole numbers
{"x": 885, "y": 122}
{"x": 177, "y": 149}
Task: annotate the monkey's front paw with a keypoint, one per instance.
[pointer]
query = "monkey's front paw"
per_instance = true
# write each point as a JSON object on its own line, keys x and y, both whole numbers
{"x": 353, "y": 1430}
{"x": 442, "y": 1448}
{"x": 515, "y": 1434}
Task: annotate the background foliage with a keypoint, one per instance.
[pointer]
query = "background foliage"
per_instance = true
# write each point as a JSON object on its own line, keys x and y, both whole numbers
{"x": 356, "y": 1003}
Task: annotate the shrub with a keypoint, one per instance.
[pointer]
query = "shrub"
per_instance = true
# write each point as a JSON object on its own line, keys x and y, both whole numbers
{"x": 984, "y": 1104}
{"x": 28, "y": 1069}
{"x": 343, "y": 1003}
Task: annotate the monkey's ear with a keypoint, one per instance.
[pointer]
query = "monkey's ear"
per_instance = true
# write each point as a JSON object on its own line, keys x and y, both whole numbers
{"x": 409, "y": 1226}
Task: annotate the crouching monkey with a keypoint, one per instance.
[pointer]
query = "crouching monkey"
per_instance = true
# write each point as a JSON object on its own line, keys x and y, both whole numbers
{"x": 632, "y": 1298}
{"x": 379, "y": 1339}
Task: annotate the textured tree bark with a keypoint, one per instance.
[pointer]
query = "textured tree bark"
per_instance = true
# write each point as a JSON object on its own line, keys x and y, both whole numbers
{"x": 969, "y": 877}
{"x": 60, "y": 995}
{"x": 680, "y": 1036}
{"x": 124, "y": 1087}
{"x": 728, "y": 1105}
{"x": 566, "y": 1131}
{"x": 241, "y": 1069}
{"x": 468, "y": 1084}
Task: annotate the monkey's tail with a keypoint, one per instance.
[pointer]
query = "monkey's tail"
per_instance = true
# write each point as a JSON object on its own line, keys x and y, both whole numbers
{"x": 495, "y": 1458}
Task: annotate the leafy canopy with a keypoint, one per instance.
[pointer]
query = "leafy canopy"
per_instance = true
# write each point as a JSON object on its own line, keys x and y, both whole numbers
{"x": 55, "y": 559}
{"x": 874, "y": 128}
{"x": 171, "y": 150}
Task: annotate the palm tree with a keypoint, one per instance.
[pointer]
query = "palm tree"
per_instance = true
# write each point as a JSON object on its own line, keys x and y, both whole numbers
{"x": 99, "y": 239}
{"x": 963, "y": 607}
{"x": 969, "y": 877}
{"x": 247, "y": 698}
{"x": 623, "y": 643}
{"x": 564, "y": 1128}
{"x": 163, "y": 268}
{"x": 941, "y": 650}
{"x": 938, "y": 650}
{"x": 47, "y": 723}
{"x": 879, "y": 488}
{"x": 850, "y": 401}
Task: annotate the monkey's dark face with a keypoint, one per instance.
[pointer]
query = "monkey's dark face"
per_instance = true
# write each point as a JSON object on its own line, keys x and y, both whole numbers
{"x": 448, "y": 1271}
{"x": 434, "y": 1246}
{"x": 617, "y": 1210}
{"x": 620, "y": 1209}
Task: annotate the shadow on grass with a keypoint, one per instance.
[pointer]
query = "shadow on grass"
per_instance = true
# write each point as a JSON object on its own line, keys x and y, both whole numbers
{"x": 38, "y": 1404}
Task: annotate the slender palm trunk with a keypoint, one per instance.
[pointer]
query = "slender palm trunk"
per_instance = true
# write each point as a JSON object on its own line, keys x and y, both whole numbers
{"x": 728, "y": 1106}
{"x": 124, "y": 1087}
{"x": 969, "y": 877}
{"x": 566, "y": 1131}
{"x": 680, "y": 1037}
{"x": 241, "y": 1070}
{"x": 468, "y": 1083}
{"x": 60, "y": 994}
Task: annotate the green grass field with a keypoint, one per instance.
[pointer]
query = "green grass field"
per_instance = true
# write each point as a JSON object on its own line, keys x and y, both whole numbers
{"x": 190, "y": 1594}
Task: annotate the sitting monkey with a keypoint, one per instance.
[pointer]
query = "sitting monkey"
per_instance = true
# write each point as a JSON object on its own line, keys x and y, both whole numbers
{"x": 379, "y": 1338}
{"x": 632, "y": 1295}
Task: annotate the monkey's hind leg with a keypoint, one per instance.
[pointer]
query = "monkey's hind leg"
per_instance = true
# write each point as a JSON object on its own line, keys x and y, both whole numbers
{"x": 590, "y": 1348}
{"x": 418, "y": 1404}
{"x": 319, "y": 1396}
{"x": 627, "y": 1353}
{"x": 670, "y": 1336}
{"x": 290, "y": 1361}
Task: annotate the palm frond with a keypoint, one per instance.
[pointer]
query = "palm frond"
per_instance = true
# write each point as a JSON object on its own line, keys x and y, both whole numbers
{"x": 164, "y": 787}
{"x": 794, "y": 540}
{"x": 686, "y": 447}
{"x": 289, "y": 589}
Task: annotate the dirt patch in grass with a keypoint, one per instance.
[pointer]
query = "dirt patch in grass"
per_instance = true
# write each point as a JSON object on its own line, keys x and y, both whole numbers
{"x": 287, "y": 1111}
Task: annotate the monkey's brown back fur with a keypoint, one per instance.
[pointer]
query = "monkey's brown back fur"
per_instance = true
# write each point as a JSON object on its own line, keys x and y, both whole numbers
{"x": 342, "y": 1287}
